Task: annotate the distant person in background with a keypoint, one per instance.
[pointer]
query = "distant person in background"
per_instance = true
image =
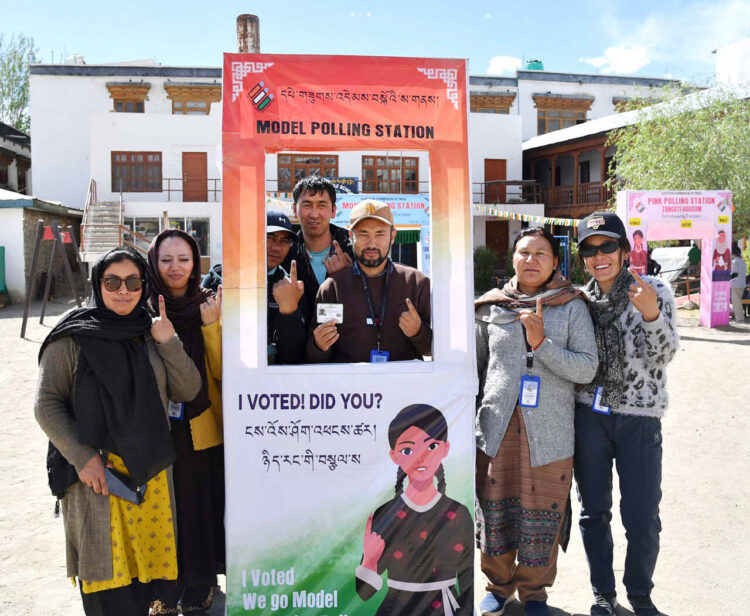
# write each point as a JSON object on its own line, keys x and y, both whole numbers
{"x": 739, "y": 275}
{"x": 654, "y": 268}
{"x": 213, "y": 279}
{"x": 638, "y": 255}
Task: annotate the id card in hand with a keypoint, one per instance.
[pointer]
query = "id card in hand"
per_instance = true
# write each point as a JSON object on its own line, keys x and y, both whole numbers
{"x": 175, "y": 410}
{"x": 328, "y": 312}
{"x": 597, "y": 406}
{"x": 529, "y": 395}
{"x": 378, "y": 357}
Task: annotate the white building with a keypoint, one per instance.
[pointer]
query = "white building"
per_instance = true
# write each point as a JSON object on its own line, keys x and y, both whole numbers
{"x": 148, "y": 136}
{"x": 733, "y": 62}
{"x": 139, "y": 139}
{"x": 532, "y": 103}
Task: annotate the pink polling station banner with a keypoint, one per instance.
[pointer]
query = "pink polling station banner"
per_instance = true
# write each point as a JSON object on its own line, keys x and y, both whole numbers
{"x": 705, "y": 215}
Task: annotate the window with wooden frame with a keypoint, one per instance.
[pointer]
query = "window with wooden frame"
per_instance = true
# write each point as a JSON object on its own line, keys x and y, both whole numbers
{"x": 136, "y": 172}
{"x": 5, "y": 161}
{"x": 390, "y": 174}
{"x": 492, "y": 103}
{"x": 293, "y": 167}
{"x": 192, "y": 99}
{"x": 129, "y": 97}
{"x": 556, "y": 112}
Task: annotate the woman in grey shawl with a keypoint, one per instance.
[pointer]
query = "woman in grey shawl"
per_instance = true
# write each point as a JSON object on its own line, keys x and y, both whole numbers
{"x": 534, "y": 341}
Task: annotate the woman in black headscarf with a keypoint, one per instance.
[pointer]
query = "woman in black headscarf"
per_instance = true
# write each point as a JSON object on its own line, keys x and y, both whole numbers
{"x": 174, "y": 265}
{"x": 105, "y": 374}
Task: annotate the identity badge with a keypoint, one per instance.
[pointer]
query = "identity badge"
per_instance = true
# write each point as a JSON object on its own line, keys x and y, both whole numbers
{"x": 378, "y": 357}
{"x": 175, "y": 410}
{"x": 529, "y": 396}
{"x": 330, "y": 312}
{"x": 597, "y": 406}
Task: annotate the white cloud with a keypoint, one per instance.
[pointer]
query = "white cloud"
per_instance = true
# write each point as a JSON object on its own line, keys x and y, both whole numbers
{"x": 621, "y": 60}
{"x": 368, "y": 14}
{"x": 503, "y": 64}
{"x": 488, "y": 16}
{"x": 682, "y": 39}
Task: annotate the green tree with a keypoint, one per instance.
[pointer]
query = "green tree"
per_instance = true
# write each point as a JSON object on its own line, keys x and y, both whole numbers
{"x": 15, "y": 56}
{"x": 699, "y": 141}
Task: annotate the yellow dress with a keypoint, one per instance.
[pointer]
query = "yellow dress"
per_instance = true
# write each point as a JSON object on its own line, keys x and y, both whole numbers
{"x": 143, "y": 540}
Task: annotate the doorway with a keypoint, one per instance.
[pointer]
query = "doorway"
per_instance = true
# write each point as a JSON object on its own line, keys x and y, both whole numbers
{"x": 496, "y": 238}
{"x": 494, "y": 169}
{"x": 194, "y": 176}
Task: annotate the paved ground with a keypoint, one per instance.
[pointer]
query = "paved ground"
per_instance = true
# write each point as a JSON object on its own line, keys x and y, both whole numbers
{"x": 705, "y": 543}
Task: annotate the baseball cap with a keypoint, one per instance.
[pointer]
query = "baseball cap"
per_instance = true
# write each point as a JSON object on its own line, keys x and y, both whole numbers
{"x": 607, "y": 224}
{"x": 369, "y": 208}
{"x": 276, "y": 220}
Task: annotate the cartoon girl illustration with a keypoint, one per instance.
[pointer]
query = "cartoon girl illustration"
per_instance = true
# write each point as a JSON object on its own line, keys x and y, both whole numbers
{"x": 422, "y": 538}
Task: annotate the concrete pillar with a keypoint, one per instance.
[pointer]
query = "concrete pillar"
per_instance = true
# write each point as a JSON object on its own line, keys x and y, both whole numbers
{"x": 248, "y": 34}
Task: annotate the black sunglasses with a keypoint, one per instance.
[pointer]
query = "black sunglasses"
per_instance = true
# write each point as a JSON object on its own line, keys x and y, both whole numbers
{"x": 607, "y": 248}
{"x": 113, "y": 284}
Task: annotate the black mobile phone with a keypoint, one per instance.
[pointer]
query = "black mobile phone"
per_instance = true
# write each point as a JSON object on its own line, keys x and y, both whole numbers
{"x": 124, "y": 487}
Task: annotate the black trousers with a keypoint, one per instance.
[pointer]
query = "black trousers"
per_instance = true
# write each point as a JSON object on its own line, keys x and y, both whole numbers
{"x": 131, "y": 600}
{"x": 635, "y": 444}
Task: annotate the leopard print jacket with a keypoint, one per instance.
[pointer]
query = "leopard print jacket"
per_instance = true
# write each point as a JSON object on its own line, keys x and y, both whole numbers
{"x": 649, "y": 347}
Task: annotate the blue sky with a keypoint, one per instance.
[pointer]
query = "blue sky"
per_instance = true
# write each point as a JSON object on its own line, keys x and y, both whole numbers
{"x": 668, "y": 38}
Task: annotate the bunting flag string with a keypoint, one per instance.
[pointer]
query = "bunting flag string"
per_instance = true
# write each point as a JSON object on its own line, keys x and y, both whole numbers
{"x": 544, "y": 220}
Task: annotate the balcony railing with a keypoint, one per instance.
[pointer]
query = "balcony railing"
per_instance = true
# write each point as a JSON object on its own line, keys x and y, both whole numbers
{"x": 580, "y": 194}
{"x": 507, "y": 191}
{"x": 174, "y": 187}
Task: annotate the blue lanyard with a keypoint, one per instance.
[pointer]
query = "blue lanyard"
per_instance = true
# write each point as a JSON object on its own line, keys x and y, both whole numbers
{"x": 377, "y": 321}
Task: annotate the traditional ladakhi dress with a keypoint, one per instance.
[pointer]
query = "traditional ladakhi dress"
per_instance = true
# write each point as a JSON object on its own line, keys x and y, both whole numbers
{"x": 428, "y": 557}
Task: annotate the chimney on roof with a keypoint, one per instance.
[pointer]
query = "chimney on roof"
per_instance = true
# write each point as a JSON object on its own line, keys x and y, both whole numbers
{"x": 75, "y": 58}
{"x": 248, "y": 34}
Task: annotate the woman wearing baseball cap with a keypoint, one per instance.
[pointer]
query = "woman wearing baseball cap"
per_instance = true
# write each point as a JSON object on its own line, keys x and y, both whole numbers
{"x": 618, "y": 414}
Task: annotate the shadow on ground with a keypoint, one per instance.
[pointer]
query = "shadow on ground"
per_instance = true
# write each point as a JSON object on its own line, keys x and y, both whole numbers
{"x": 515, "y": 608}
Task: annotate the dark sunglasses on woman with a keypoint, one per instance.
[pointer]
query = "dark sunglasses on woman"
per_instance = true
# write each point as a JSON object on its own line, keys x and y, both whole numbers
{"x": 587, "y": 250}
{"x": 113, "y": 284}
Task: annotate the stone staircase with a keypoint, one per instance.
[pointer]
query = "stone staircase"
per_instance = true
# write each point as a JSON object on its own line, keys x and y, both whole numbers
{"x": 101, "y": 230}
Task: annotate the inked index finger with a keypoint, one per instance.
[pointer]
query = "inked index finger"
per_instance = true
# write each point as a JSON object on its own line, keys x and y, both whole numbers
{"x": 539, "y": 306}
{"x": 368, "y": 527}
{"x": 293, "y": 272}
{"x": 636, "y": 277}
{"x": 411, "y": 307}
{"x": 162, "y": 307}
{"x": 337, "y": 248}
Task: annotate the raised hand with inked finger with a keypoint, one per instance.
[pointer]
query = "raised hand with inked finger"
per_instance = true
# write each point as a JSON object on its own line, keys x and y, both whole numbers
{"x": 161, "y": 327}
{"x": 338, "y": 260}
{"x": 211, "y": 308}
{"x": 643, "y": 296}
{"x": 533, "y": 323}
{"x": 373, "y": 546}
{"x": 288, "y": 291}
{"x": 410, "y": 322}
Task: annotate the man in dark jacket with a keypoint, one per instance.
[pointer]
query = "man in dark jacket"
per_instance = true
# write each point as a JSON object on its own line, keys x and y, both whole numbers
{"x": 285, "y": 295}
{"x": 321, "y": 248}
{"x": 384, "y": 307}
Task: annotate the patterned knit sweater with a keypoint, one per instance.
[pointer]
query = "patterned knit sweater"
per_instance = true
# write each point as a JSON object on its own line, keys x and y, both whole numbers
{"x": 649, "y": 347}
